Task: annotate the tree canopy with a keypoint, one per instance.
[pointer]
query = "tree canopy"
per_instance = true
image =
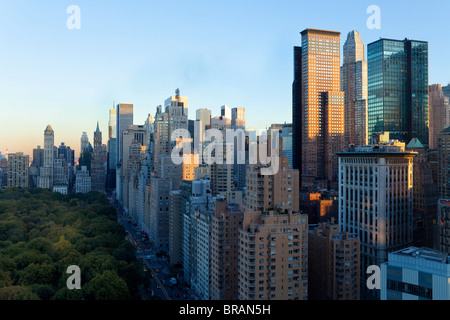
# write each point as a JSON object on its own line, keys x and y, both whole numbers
{"x": 42, "y": 233}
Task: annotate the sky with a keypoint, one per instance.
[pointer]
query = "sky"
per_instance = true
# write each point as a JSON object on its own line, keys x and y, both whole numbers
{"x": 233, "y": 52}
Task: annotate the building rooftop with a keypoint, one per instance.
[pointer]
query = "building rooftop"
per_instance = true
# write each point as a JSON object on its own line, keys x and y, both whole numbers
{"x": 415, "y": 143}
{"x": 425, "y": 254}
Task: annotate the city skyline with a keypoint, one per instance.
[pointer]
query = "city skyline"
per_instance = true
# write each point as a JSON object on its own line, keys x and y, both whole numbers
{"x": 252, "y": 69}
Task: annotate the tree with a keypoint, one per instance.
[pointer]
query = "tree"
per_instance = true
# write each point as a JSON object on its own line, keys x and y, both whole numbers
{"x": 108, "y": 286}
{"x": 17, "y": 293}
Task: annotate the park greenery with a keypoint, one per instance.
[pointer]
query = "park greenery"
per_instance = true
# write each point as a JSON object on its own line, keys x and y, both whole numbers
{"x": 42, "y": 233}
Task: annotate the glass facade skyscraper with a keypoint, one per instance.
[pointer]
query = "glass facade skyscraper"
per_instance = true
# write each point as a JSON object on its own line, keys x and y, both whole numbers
{"x": 398, "y": 89}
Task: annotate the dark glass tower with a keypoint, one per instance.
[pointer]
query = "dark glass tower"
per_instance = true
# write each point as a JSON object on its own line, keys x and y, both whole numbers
{"x": 398, "y": 89}
{"x": 297, "y": 112}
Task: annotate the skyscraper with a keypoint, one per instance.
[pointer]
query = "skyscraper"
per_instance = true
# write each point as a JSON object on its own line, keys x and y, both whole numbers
{"x": 124, "y": 119}
{"x": 203, "y": 115}
{"x": 320, "y": 112}
{"x": 97, "y": 166}
{"x": 297, "y": 118}
{"x": 354, "y": 85}
{"x": 84, "y": 145}
{"x": 178, "y": 101}
{"x": 398, "y": 89}
{"x": 439, "y": 111}
{"x": 238, "y": 118}
{"x": 46, "y": 172}
{"x": 225, "y": 111}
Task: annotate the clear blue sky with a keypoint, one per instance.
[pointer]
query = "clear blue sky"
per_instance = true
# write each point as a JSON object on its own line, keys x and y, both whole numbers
{"x": 230, "y": 52}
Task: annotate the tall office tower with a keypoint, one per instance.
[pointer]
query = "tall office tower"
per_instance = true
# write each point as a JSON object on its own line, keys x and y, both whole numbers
{"x": 98, "y": 167}
{"x": 46, "y": 171}
{"x": 320, "y": 111}
{"x": 444, "y": 164}
{"x": 265, "y": 192}
{"x": 354, "y": 85}
{"x": 112, "y": 124}
{"x": 273, "y": 256}
{"x": 124, "y": 119}
{"x": 82, "y": 181}
{"x": 178, "y": 101}
{"x": 111, "y": 147}
{"x": 333, "y": 264}
{"x": 84, "y": 145}
{"x": 416, "y": 274}
{"x": 226, "y": 223}
{"x": 297, "y": 120}
{"x": 203, "y": 115}
{"x": 165, "y": 124}
{"x": 225, "y": 111}
{"x": 238, "y": 118}
{"x": 18, "y": 164}
{"x": 439, "y": 112}
{"x": 398, "y": 89}
{"x": 376, "y": 200}
{"x": 425, "y": 195}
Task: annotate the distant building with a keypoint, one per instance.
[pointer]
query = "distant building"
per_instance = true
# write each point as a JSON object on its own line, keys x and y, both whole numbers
{"x": 442, "y": 240}
{"x": 439, "y": 111}
{"x": 98, "y": 170}
{"x": 18, "y": 164}
{"x": 45, "y": 179}
{"x": 444, "y": 163}
{"x": 416, "y": 274}
{"x": 83, "y": 181}
{"x": 425, "y": 195}
{"x": 60, "y": 188}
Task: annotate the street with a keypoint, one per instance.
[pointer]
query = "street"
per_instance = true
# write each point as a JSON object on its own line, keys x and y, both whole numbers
{"x": 157, "y": 266}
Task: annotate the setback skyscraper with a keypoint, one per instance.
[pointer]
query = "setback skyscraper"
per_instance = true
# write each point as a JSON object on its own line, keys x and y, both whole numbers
{"x": 354, "y": 85}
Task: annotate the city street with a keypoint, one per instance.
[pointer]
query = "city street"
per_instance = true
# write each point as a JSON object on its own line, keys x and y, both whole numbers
{"x": 159, "y": 267}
